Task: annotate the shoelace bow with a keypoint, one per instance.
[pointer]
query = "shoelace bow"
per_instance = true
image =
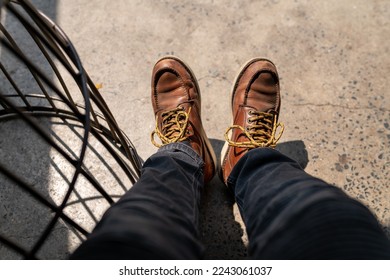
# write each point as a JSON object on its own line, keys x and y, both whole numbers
{"x": 260, "y": 131}
{"x": 174, "y": 127}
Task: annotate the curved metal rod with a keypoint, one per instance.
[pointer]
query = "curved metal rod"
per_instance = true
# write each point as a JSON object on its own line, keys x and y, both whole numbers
{"x": 52, "y": 41}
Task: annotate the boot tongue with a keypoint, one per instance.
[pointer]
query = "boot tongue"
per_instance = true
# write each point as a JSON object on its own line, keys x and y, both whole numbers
{"x": 262, "y": 93}
{"x": 167, "y": 83}
{"x": 170, "y": 91}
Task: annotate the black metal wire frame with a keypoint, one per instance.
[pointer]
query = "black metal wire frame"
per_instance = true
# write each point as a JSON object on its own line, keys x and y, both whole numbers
{"x": 94, "y": 115}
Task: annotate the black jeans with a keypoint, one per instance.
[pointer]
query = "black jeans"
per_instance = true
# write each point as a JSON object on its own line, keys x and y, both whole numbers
{"x": 288, "y": 213}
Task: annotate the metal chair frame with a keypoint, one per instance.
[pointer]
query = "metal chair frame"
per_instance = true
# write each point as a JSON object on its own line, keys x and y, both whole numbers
{"x": 94, "y": 114}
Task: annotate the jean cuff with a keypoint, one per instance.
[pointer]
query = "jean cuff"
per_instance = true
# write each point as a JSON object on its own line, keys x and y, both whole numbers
{"x": 255, "y": 156}
{"x": 184, "y": 147}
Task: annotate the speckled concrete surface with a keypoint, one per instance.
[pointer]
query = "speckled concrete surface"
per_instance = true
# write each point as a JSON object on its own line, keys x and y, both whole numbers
{"x": 333, "y": 61}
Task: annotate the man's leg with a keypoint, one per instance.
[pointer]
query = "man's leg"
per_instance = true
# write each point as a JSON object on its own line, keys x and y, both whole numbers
{"x": 157, "y": 218}
{"x": 292, "y": 215}
{"x": 288, "y": 214}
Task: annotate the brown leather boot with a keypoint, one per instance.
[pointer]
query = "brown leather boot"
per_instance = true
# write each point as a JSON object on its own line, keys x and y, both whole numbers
{"x": 177, "y": 107}
{"x": 255, "y": 106}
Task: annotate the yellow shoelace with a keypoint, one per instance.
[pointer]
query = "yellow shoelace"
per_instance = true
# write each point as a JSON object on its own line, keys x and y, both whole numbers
{"x": 260, "y": 131}
{"x": 174, "y": 128}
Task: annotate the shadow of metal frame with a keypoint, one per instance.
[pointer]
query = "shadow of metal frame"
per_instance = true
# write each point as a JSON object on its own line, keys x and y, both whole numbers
{"x": 92, "y": 114}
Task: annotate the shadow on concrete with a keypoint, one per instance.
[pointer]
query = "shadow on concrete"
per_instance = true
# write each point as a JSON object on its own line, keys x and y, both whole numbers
{"x": 22, "y": 219}
{"x": 386, "y": 229}
{"x": 221, "y": 234}
{"x": 295, "y": 150}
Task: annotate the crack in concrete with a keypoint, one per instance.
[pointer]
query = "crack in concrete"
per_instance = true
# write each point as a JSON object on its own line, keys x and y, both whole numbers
{"x": 341, "y": 106}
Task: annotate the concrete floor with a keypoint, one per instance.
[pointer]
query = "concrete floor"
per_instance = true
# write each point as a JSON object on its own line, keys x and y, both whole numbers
{"x": 333, "y": 61}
